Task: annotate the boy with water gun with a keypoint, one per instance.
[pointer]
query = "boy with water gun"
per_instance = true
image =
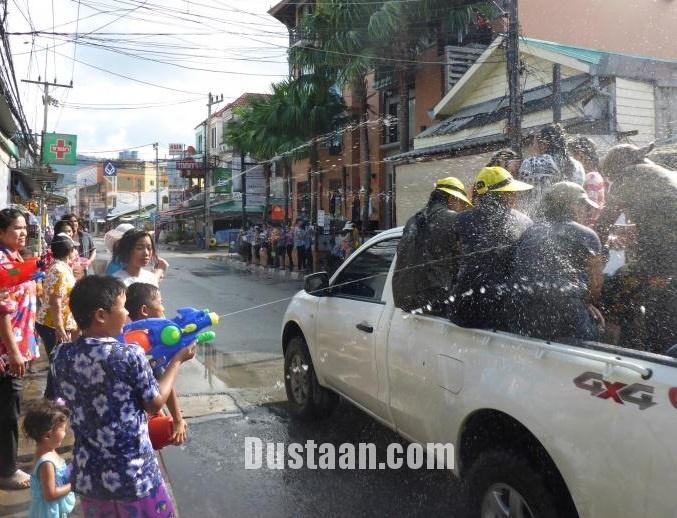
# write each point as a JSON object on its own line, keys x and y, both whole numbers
{"x": 161, "y": 339}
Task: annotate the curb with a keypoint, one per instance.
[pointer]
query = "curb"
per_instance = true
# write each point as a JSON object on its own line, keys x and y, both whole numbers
{"x": 236, "y": 263}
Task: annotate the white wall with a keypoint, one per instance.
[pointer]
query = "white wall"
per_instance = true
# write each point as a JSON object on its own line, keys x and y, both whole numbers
{"x": 415, "y": 181}
{"x": 636, "y": 109}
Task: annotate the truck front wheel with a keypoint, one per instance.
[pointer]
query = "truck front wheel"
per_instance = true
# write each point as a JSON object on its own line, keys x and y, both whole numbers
{"x": 307, "y": 399}
{"x": 502, "y": 484}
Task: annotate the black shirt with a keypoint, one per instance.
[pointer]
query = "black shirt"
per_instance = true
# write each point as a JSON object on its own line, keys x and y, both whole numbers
{"x": 487, "y": 234}
{"x": 553, "y": 257}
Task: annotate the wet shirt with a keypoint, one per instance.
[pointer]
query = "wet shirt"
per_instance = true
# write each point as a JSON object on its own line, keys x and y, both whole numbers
{"x": 426, "y": 258}
{"x": 105, "y": 384}
{"x": 553, "y": 258}
{"x": 21, "y": 305}
{"x": 487, "y": 233}
{"x": 58, "y": 282}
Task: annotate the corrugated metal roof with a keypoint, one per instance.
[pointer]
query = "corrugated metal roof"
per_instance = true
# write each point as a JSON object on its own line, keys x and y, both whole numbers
{"x": 586, "y": 55}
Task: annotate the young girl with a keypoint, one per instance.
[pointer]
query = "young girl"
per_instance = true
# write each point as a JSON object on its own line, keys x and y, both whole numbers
{"x": 136, "y": 250}
{"x": 17, "y": 341}
{"x": 51, "y": 495}
{"x": 54, "y": 322}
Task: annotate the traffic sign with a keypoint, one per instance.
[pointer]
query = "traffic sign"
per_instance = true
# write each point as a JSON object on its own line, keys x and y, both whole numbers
{"x": 109, "y": 169}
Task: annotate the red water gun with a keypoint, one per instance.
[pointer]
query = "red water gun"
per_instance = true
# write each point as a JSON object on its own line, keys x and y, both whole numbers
{"x": 15, "y": 273}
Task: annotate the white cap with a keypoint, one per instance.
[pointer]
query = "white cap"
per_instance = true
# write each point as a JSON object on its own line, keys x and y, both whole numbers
{"x": 113, "y": 236}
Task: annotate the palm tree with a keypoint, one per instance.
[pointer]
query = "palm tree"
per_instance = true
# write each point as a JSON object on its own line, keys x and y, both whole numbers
{"x": 400, "y": 31}
{"x": 297, "y": 111}
{"x": 337, "y": 44}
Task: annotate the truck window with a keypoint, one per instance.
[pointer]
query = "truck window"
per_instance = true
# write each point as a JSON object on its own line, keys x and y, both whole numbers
{"x": 365, "y": 276}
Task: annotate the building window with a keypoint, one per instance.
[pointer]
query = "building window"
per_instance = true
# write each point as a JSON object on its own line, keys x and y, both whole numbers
{"x": 199, "y": 143}
{"x": 213, "y": 130}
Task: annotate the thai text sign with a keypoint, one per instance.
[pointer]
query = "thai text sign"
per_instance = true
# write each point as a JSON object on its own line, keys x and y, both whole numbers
{"x": 59, "y": 148}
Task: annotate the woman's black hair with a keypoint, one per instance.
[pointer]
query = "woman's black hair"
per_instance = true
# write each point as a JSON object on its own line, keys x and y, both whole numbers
{"x": 585, "y": 147}
{"x": 123, "y": 248}
{"x": 502, "y": 157}
{"x": 92, "y": 293}
{"x": 61, "y": 246}
{"x": 60, "y": 226}
{"x": 9, "y": 216}
{"x": 42, "y": 417}
{"x": 553, "y": 137}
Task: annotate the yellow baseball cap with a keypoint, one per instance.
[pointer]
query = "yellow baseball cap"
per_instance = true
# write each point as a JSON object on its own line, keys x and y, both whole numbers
{"x": 454, "y": 186}
{"x": 497, "y": 179}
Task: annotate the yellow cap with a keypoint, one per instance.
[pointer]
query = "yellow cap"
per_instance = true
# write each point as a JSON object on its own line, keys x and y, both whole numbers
{"x": 497, "y": 179}
{"x": 454, "y": 186}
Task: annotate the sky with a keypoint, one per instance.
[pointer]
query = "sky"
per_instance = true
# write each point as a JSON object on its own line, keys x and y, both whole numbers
{"x": 236, "y": 45}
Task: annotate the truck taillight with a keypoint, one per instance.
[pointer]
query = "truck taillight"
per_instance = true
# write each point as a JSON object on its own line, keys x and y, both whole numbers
{"x": 672, "y": 393}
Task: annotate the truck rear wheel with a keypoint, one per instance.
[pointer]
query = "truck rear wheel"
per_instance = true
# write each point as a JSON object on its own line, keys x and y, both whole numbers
{"x": 502, "y": 484}
{"x": 307, "y": 399}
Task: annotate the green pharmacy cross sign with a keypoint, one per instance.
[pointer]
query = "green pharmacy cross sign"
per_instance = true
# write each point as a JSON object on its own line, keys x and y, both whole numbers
{"x": 58, "y": 148}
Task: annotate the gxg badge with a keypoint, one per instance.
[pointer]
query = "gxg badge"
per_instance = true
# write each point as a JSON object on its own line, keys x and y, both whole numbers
{"x": 636, "y": 394}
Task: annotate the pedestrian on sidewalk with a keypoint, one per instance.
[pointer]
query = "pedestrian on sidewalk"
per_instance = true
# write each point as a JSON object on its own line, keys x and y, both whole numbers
{"x": 256, "y": 244}
{"x": 300, "y": 244}
{"x": 111, "y": 239}
{"x": 84, "y": 242}
{"x": 289, "y": 246}
{"x": 135, "y": 251}
{"x": 54, "y": 322}
{"x": 17, "y": 341}
{"x": 108, "y": 386}
{"x": 51, "y": 495}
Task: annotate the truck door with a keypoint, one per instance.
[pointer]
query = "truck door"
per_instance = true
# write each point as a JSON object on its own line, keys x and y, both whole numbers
{"x": 348, "y": 325}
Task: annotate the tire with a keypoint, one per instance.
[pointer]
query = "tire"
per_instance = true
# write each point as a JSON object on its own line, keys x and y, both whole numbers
{"x": 306, "y": 398}
{"x": 505, "y": 484}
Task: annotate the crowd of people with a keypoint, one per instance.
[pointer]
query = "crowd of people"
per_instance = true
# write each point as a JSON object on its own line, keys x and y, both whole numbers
{"x": 278, "y": 246}
{"x": 526, "y": 250}
{"x": 95, "y": 382}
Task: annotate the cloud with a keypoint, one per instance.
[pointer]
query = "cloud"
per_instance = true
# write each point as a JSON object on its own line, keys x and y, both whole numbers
{"x": 259, "y": 37}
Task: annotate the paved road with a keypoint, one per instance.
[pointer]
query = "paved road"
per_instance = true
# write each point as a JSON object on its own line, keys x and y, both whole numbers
{"x": 236, "y": 390}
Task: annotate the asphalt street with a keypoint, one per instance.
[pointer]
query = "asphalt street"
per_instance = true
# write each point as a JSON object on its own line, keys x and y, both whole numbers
{"x": 235, "y": 390}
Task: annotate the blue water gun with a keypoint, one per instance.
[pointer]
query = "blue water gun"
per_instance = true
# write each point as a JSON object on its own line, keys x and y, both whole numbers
{"x": 162, "y": 338}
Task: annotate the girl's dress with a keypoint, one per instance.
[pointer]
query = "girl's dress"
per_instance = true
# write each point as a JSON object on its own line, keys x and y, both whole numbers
{"x": 40, "y": 508}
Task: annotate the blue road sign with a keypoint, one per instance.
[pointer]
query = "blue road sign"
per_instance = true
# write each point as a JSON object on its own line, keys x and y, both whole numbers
{"x": 109, "y": 169}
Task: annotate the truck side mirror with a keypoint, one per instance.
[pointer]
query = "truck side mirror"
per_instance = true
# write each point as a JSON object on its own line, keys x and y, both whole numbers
{"x": 317, "y": 284}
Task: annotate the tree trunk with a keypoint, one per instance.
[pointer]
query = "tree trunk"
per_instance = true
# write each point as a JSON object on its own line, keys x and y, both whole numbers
{"x": 365, "y": 166}
{"x": 314, "y": 168}
{"x": 266, "y": 177}
{"x": 403, "y": 109}
{"x": 286, "y": 172}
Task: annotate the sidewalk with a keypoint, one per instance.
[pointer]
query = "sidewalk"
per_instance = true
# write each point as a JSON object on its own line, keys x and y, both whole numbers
{"x": 235, "y": 261}
{"x": 15, "y": 504}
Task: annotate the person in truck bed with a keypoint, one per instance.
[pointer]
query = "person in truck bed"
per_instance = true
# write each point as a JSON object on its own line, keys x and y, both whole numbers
{"x": 487, "y": 234}
{"x": 427, "y": 252}
{"x": 556, "y": 278}
{"x": 642, "y": 296}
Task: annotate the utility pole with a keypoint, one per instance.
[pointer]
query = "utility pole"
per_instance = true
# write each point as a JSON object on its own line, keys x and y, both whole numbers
{"x": 213, "y": 99}
{"x": 46, "y": 101}
{"x": 157, "y": 193}
{"x": 243, "y": 172}
{"x": 513, "y": 63}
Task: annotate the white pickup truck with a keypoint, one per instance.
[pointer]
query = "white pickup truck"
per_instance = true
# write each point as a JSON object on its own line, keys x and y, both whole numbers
{"x": 539, "y": 429}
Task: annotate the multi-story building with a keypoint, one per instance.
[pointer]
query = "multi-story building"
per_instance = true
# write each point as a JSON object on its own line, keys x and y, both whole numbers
{"x": 340, "y": 192}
